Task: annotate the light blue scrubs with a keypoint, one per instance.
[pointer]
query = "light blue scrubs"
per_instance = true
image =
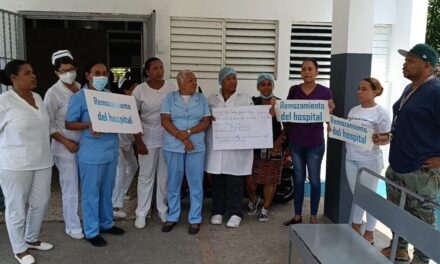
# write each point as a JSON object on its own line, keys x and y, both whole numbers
{"x": 97, "y": 159}
{"x": 184, "y": 117}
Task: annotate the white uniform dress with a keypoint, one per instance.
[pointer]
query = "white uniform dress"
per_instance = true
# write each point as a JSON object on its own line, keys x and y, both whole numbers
{"x": 25, "y": 166}
{"x": 127, "y": 167}
{"x": 379, "y": 120}
{"x": 231, "y": 162}
{"x": 152, "y": 166}
{"x": 56, "y": 101}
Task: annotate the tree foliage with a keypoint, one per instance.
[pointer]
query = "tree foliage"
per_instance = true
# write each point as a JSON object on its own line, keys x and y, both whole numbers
{"x": 433, "y": 25}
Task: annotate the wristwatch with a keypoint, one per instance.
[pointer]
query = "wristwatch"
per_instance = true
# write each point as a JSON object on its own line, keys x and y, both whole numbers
{"x": 188, "y": 131}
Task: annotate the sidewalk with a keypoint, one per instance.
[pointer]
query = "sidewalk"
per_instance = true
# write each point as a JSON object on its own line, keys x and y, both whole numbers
{"x": 252, "y": 242}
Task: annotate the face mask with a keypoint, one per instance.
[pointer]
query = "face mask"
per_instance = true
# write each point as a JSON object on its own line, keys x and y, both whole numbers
{"x": 68, "y": 77}
{"x": 100, "y": 82}
{"x": 266, "y": 97}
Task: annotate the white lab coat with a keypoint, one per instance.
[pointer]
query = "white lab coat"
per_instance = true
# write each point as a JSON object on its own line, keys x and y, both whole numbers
{"x": 24, "y": 134}
{"x": 232, "y": 162}
{"x": 56, "y": 101}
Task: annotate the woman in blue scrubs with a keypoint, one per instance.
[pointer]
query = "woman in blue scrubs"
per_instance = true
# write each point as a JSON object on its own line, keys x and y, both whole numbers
{"x": 97, "y": 159}
{"x": 185, "y": 116}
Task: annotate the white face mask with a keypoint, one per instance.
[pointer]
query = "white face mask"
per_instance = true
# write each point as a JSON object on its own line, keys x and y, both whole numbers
{"x": 68, "y": 77}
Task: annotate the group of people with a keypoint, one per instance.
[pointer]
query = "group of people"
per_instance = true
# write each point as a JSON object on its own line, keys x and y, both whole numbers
{"x": 177, "y": 141}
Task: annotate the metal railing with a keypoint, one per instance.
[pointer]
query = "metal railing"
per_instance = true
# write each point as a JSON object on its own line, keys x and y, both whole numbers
{"x": 11, "y": 39}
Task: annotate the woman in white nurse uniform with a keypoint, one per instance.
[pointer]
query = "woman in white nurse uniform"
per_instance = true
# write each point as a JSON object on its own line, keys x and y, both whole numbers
{"x": 65, "y": 142}
{"x": 25, "y": 159}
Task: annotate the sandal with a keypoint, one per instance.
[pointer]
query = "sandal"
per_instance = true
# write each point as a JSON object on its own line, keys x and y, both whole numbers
{"x": 292, "y": 221}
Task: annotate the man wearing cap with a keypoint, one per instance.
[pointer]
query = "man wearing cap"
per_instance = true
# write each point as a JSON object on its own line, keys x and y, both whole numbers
{"x": 415, "y": 146}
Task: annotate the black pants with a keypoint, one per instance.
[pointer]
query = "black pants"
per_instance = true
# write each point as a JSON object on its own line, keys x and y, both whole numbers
{"x": 227, "y": 195}
{"x": 2, "y": 199}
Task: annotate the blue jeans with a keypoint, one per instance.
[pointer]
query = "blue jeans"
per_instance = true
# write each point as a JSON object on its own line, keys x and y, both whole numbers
{"x": 312, "y": 158}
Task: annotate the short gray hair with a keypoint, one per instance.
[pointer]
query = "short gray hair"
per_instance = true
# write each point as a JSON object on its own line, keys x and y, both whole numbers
{"x": 181, "y": 75}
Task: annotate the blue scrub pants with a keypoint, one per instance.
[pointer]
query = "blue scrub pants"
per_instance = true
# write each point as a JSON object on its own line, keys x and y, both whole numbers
{"x": 97, "y": 182}
{"x": 193, "y": 165}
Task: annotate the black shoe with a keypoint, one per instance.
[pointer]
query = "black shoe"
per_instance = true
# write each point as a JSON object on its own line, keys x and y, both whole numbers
{"x": 114, "y": 230}
{"x": 291, "y": 222}
{"x": 168, "y": 226}
{"x": 97, "y": 241}
{"x": 194, "y": 229}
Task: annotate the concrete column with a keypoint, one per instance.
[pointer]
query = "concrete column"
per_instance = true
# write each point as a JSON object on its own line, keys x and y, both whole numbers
{"x": 352, "y": 38}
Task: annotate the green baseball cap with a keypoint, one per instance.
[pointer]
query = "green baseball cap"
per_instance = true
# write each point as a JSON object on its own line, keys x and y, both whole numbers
{"x": 424, "y": 52}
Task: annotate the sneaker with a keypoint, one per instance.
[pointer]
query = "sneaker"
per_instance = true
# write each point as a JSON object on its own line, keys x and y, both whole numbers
{"x": 264, "y": 215}
{"x": 234, "y": 221}
{"x": 127, "y": 197}
{"x": 401, "y": 254}
{"x": 217, "y": 219}
{"x": 97, "y": 241}
{"x": 139, "y": 222}
{"x": 119, "y": 214}
{"x": 114, "y": 230}
{"x": 253, "y": 206}
{"x": 76, "y": 236}
{"x": 39, "y": 245}
{"x": 163, "y": 217}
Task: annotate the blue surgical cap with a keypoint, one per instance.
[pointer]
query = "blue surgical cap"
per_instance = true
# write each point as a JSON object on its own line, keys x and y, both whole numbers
{"x": 264, "y": 76}
{"x": 225, "y": 72}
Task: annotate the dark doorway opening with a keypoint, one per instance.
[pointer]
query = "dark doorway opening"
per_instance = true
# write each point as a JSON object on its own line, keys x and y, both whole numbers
{"x": 118, "y": 44}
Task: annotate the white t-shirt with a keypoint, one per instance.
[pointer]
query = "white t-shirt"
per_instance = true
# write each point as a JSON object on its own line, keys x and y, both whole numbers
{"x": 24, "y": 134}
{"x": 149, "y": 101}
{"x": 56, "y": 101}
{"x": 232, "y": 162}
{"x": 375, "y": 117}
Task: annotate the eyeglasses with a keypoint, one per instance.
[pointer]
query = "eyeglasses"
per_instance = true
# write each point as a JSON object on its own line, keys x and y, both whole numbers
{"x": 67, "y": 70}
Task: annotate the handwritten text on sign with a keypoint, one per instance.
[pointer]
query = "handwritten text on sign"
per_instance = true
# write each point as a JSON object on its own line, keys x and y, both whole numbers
{"x": 113, "y": 113}
{"x": 302, "y": 111}
{"x": 346, "y": 131}
{"x": 242, "y": 127}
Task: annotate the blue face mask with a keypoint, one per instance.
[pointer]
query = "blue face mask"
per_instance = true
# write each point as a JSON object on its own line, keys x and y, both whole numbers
{"x": 100, "y": 82}
{"x": 266, "y": 97}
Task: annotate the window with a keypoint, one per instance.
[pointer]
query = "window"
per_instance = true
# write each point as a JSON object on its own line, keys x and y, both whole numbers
{"x": 310, "y": 40}
{"x": 314, "y": 40}
{"x": 206, "y": 45}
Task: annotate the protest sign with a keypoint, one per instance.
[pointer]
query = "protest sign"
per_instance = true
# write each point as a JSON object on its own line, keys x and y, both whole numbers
{"x": 113, "y": 113}
{"x": 302, "y": 111}
{"x": 349, "y": 132}
{"x": 242, "y": 127}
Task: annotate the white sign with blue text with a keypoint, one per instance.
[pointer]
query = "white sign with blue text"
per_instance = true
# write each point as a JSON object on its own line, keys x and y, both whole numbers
{"x": 346, "y": 131}
{"x": 242, "y": 127}
{"x": 302, "y": 111}
{"x": 113, "y": 113}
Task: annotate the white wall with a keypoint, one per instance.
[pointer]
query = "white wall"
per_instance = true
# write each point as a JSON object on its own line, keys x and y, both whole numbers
{"x": 407, "y": 16}
{"x": 287, "y": 12}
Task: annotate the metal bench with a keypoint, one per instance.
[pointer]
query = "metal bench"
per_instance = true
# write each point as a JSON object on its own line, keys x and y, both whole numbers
{"x": 339, "y": 243}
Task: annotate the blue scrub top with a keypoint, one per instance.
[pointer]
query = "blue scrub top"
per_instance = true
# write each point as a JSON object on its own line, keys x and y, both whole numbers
{"x": 184, "y": 117}
{"x": 92, "y": 149}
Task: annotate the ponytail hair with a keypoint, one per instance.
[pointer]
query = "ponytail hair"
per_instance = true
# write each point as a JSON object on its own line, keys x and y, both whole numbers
{"x": 375, "y": 85}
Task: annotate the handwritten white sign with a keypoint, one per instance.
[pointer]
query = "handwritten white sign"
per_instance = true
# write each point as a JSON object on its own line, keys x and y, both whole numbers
{"x": 346, "y": 131}
{"x": 113, "y": 113}
{"x": 242, "y": 127}
{"x": 302, "y": 111}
